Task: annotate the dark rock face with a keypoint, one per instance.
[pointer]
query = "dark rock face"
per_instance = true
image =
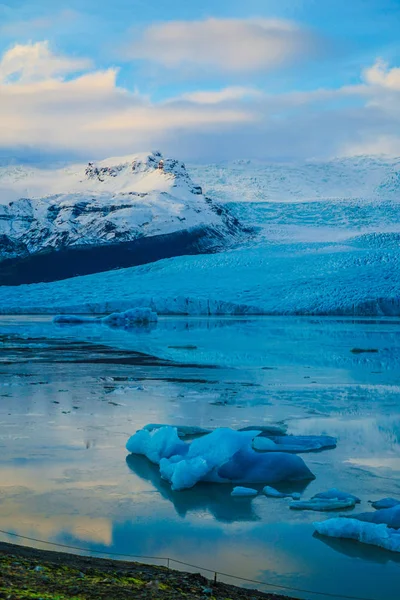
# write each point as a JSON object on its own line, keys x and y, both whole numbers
{"x": 53, "y": 265}
{"x": 118, "y": 213}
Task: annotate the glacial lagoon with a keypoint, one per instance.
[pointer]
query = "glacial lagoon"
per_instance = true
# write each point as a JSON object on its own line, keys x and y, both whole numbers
{"x": 70, "y": 396}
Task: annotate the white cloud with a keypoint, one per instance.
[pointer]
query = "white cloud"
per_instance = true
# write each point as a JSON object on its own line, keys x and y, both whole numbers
{"x": 44, "y": 105}
{"x": 35, "y": 62}
{"x": 232, "y": 45}
{"x": 381, "y": 75}
{"x": 17, "y": 29}
{"x": 225, "y": 95}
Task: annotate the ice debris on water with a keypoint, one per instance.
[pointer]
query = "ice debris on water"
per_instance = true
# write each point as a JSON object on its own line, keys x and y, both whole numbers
{"x": 367, "y": 533}
{"x": 74, "y": 320}
{"x": 244, "y": 492}
{"x": 222, "y": 456}
{"x": 273, "y": 493}
{"x": 293, "y": 443}
{"x": 132, "y": 316}
{"x": 332, "y": 499}
{"x": 183, "y": 430}
{"x": 333, "y": 493}
{"x": 323, "y": 504}
{"x": 385, "y": 503}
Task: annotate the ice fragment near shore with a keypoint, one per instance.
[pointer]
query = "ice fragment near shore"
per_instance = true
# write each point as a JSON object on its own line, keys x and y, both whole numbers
{"x": 293, "y": 443}
{"x": 385, "y": 503}
{"x": 273, "y": 493}
{"x": 333, "y": 493}
{"x": 367, "y": 533}
{"x": 323, "y": 504}
{"x": 244, "y": 492}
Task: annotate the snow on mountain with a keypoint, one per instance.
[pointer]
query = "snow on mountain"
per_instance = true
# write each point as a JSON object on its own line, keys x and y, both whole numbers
{"x": 327, "y": 244}
{"x": 104, "y": 204}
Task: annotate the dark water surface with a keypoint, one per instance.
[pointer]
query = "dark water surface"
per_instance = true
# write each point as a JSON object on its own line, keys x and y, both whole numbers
{"x": 71, "y": 396}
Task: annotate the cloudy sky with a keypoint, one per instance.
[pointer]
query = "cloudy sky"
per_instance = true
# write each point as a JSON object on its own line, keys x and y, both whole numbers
{"x": 204, "y": 81}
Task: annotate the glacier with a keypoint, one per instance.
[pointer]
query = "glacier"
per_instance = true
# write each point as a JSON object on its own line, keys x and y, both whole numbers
{"x": 326, "y": 243}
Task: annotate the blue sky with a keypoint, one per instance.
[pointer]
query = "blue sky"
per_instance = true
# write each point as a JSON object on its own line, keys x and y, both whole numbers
{"x": 205, "y": 80}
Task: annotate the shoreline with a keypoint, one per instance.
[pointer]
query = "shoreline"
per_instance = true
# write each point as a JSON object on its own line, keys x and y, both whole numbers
{"x": 28, "y": 573}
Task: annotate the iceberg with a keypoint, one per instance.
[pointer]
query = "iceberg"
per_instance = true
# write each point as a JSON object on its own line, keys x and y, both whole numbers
{"x": 385, "y": 503}
{"x": 334, "y": 493}
{"x": 323, "y": 504}
{"x": 223, "y": 456}
{"x": 273, "y": 493}
{"x": 367, "y": 533}
{"x": 244, "y": 492}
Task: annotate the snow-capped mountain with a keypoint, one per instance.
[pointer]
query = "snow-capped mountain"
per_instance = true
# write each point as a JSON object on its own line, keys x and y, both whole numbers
{"x": 327, "y": 243}
{"x": 89, "y": 218}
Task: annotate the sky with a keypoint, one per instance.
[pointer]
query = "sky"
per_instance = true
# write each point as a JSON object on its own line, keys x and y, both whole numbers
{"x": 208, "y": 81}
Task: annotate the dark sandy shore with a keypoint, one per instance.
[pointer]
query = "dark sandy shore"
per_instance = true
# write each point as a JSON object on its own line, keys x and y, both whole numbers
{"x": 27, "y": 573}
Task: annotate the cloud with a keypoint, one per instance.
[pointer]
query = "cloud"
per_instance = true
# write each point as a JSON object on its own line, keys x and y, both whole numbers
{"x": 230, "y": 45}
{"x": 225, "y": 95}
{"x": 27, "y": 28}
{"x": 381, "y": 75}
{"x": 48, "y": 106}
{"x": 33, "y": 62}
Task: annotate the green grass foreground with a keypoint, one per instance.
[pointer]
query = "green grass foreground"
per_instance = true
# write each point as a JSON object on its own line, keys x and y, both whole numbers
{"x": 28, "y": 573}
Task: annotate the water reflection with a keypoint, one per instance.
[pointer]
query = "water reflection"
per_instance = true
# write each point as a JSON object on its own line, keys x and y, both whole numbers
{"x": 70, "y": 397}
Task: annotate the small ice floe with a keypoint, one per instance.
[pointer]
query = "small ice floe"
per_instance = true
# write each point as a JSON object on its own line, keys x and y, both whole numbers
{"x": 388, "y": 516}
{"x": 323, "y": 504}
{"x": 244, "y": 492}
{"x": 293, "y": 443}
{"x": 133, "y": 316}
{"x": 367, "y": 533}
{"x": 334, "y": 493}
{"x": 74, "y": 320}
{"x": 222, "y": 456}
{"x": 273, "y": 493}
{"x": 385, "y": 503}
{"x": 183, "y": 430}
{"x": 270, "y": 429}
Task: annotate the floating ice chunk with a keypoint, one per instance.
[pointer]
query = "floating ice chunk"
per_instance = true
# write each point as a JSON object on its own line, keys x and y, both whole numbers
{"x": 74, "y": 320}
{"x": 273, "y": 493}
{"x": 248, "y": 466}
{"x": 323, "y": 504}
{"x": 183, "y": 430}
{"x": 333, "y": 493}
{"x": 385, "y": 503}
{"x": 272, "y": 429}
{"x": 388, "y": 516}
{"x": 244, "y": 491}
{"x": 138, "y": 316}
{"x": 367, "y": 533}
{"x": 157, "y": 444}
{"x": 222, "y": 456}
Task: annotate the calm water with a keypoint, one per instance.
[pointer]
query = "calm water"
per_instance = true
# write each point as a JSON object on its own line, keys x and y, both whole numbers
{"x": 71, "y": 396}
